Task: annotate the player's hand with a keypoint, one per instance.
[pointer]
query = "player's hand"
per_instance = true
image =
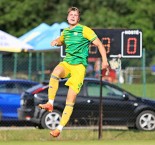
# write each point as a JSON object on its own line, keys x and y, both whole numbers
{"x": 54, "y": 43}
{"x": 105, "y": 64}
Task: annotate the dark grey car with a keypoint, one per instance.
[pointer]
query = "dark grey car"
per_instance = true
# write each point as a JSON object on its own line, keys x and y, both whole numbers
{"x": 119, "y": 106}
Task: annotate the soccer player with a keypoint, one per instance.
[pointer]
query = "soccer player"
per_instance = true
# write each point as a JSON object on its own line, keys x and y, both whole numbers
{"x": 77, "y": 38}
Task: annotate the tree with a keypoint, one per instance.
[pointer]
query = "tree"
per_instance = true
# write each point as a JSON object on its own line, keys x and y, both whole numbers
{"x": 19, "y": 16}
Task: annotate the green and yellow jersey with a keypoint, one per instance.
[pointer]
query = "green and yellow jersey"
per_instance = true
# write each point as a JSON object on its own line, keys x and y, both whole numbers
{"x": 77, "y": 42}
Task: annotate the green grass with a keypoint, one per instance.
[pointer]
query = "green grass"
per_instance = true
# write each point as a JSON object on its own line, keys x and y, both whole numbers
{"x": 94, "y": 142}
{"x": 140, "y": 89}
{"x": 87, "y": 134}
{"x": 76, "y": 137}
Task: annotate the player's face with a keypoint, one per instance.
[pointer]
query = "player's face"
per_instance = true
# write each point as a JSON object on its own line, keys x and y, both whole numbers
{"x": 73, "y": 17}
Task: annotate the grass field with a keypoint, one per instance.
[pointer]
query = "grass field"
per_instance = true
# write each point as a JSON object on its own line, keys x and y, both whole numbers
{"x": 94, "y": 142}
{"x": 76, "y": 137}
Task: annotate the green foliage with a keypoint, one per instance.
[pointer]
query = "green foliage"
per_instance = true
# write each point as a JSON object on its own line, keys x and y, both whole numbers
{"x": 19, "y": 16}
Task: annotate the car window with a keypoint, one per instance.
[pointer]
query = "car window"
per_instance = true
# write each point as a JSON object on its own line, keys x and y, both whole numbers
{"x": 3, "y": 88}
{"x": 112, "y": 92}
{"x": 14, "y": 87}
{"x": 8, "y": 88}
{"x": 93, "y": 90}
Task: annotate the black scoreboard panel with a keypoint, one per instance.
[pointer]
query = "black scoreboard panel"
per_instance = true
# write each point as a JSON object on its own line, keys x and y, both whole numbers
{"x": 131, "y": 44}
{"x": 124, "y": 42}
{"x": 110, "y": 38}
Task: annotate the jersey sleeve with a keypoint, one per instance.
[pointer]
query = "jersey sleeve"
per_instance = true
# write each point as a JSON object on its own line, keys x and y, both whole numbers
{"x": 62, "y": 36}
{"x": 89, "y": 33}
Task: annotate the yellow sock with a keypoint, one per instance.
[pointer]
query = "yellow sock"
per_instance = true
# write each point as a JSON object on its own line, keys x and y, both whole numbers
{"x": 66, "y": 113}
{"x": 53, "y": 87}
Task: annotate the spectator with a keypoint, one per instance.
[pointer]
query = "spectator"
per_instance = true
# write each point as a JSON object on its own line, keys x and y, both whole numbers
{"x": 97, "y": 68}
{"x": 111, "y": 77}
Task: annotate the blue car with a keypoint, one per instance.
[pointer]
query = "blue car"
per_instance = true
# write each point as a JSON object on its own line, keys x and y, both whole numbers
{"x": 10, "y": 92}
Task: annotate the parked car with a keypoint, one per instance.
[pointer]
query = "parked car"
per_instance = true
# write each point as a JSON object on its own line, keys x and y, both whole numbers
{"x": 119, "y": 106}
{"x": 10, "y": 92}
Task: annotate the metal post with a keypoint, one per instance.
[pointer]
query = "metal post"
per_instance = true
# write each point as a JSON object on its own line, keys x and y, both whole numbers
{"x": 37, "y": 61}
{"x": 42, "y": 67}
{"x": 15, "y": 65}
{"x": 100, "y": 106}
{"x": 144, "y": 73}
{"x": 30, "y": 66}
{"x": 37, "y": 65}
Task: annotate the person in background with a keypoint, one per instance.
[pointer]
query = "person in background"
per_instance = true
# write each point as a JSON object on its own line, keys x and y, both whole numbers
{"x": 89, "y": 70}
{"x": 97, "y": 68}
{"x": 77, "y": 38}
{"x": 110, "y": 77}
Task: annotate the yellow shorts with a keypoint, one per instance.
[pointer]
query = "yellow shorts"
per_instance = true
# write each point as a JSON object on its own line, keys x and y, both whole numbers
{"x": 75, "y": 73}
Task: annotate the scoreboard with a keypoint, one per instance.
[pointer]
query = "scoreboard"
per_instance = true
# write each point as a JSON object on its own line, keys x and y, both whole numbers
{"x": 124, "y": 42}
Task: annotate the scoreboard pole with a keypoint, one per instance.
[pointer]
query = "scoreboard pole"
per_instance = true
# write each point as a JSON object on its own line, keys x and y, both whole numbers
{"x": 100, "y": 106}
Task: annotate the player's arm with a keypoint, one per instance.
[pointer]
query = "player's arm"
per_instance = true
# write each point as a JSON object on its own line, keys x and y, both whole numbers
{"x": 102, "y": 51}
{"x": 57, "y": 42}
{"x": 91, "y": 36}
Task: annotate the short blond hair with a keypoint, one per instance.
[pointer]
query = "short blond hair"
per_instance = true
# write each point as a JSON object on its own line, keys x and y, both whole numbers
{"x": 74, "y": 9}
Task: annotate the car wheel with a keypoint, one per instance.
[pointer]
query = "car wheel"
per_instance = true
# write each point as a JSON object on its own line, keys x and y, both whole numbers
{"x": 146, "y": 120}
{"x": 50, "y": 120}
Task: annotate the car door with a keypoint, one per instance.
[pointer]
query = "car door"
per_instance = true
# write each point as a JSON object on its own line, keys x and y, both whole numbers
{"x": 87, "y": 102}
{"x": 117, "y": 109}
{"x": 9, "y": 100}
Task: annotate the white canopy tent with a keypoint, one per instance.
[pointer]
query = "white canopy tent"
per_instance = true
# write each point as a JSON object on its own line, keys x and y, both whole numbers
{"x": 40, "y": 38}
{"x": 9, "y": 43}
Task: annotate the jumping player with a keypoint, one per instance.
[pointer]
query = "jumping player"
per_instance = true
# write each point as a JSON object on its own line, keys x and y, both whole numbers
{"x": 77, "y": 38}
